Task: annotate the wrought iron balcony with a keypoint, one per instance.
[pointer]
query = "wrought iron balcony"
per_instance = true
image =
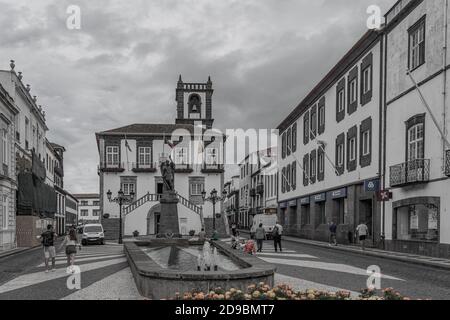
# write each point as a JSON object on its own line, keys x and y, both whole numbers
{"x": 414, "y": 171}
{"x": 260, "y": 189}
{"x": 447, "y": 163}
{"x": 138, "y": 167}
{"x": 112, "y": 167}
{"x": 212, "y": 168}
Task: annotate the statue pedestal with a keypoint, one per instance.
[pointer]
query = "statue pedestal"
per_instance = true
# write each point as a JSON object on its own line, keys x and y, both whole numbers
{"x": 169, "y": 223}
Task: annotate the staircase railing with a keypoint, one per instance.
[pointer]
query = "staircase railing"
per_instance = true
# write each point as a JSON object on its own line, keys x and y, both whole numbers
{"x": 149, "y": 197}
{"x": 193, "y": 207}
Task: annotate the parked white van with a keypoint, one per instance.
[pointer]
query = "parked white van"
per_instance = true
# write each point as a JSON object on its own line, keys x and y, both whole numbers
{"x": 93, "y": 233}
{"x": 268, "y": 221}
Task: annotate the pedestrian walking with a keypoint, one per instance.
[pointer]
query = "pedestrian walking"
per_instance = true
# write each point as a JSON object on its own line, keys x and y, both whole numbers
{"x": 276, "y": 234}
{"x": 333, "y": 232}
{"x": 234, "y": 229}
{"x": 48, "y": 238}
{"x": 202, "y": 235}
{"x": 260, "y": 235}
{"x": 70, "y": 242}
{"x": 362, "y": 230}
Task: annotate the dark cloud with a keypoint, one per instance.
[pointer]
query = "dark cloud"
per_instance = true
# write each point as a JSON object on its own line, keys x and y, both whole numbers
{"x": 122, "y": 66}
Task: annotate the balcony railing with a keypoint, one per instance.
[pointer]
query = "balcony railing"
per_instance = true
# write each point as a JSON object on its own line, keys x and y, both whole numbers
{"x": 260, "y": 189}
{"x": 212, "y": 168}
{"x": 59, "y": 171}
{"x": 112, "y": 167}
{"x": 447, "y": 163}
{"x": 138, "y": 167}
{"x": 414, "y": 171}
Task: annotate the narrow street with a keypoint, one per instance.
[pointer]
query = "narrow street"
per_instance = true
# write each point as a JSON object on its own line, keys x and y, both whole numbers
{"x": 105, "y": 273}
{"x": 332, "y": 268}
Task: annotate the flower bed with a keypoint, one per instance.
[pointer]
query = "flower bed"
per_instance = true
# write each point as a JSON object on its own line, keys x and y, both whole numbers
{"x": 285, "y": 292}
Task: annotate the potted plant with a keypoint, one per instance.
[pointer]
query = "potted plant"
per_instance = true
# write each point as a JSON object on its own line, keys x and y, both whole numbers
{"x": 135, "y": 233}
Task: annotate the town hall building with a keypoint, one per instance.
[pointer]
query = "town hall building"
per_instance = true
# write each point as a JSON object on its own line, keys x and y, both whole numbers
{"x": 130, "y": 158}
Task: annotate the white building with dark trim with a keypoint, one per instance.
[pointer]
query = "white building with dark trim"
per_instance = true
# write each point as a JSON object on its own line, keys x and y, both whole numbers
{"x": 88, "y": 208}
{"x": 130, "y": 158}
{"x": 417, "y": 155}
{"x": 8, "y": 178}
{"x": 330, "y": 150}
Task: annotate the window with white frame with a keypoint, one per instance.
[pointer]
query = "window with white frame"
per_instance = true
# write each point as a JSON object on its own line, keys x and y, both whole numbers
{"x": 112, "y": 155}
{"x": 5, "y": 150}
{"x": 367, "y": 80}
{"x": 366, "y": 142}
{"x": 212, "y": 156}
{"x": 416, "y": 142}
{"x": 340, "y": 151}
{"x": 181, "y": 156}
{"x": 145, "y": 156}
{"x": 341, "y": 100}
{"x": 313, "y": 167}
{"x": 197, "y": 188}
{"x": 27, "y": 129}
{"x": 417, "y": 45}
{"x": 353, "y": 92}
{"x": 128, "y": 188}
{"x": 321, "y": 160}
{"x": 4, "y": 223}
{"x": 352, "y": 149}
{"x": 321, "y": 116}
{"x": 84, "y": 213}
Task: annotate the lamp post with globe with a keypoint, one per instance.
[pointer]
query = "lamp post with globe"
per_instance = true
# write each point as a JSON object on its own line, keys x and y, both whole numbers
{"x": 121, "y": 199}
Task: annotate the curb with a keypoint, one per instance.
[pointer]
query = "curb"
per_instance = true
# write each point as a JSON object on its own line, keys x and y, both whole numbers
{"x": 16, "y": 251}
{"x": 368, "y": 253}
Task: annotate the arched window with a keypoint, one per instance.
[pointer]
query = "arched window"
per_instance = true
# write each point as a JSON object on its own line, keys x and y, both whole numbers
{"x": 415, "y": 138}
{"x": 195, "y": 104}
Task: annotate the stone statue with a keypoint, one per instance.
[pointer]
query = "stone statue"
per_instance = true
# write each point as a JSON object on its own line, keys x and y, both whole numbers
{"x": 168, "y": 174}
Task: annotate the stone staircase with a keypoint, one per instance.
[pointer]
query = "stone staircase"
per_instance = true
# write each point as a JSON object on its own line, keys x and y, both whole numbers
{"x": 111, "y": 228}
{"x": 221, "y": 227}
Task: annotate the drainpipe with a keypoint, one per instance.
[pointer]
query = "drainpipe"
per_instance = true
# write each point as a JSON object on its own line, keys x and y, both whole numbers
{"x": 444, "y": 84}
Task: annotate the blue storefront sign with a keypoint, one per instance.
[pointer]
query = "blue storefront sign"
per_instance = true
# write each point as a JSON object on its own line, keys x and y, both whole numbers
{"x": 293, "y": 203}
{"x": 320, "y": 197}
{"x": 283, "y": 205}
{"x": 304, "y": 201}
{"x": 338, "y": 194}
{"x": 372, "y": 185}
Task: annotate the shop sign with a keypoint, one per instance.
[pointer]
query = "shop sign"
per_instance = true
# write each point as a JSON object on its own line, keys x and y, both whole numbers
{"x": 283, "y": 205}
{"x": 293, "y": 203}
{"x": 320, "y": 197}
{"x": 372, "y": 185}
{"x": 304, "y": 201}
{"x": 338, "y": 194}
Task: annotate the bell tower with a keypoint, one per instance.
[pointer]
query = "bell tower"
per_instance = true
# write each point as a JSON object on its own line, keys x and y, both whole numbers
{"x": 194, "y": 103}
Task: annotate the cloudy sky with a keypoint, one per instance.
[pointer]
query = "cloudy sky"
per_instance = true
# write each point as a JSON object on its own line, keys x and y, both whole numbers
{"x": 122, "y": 66}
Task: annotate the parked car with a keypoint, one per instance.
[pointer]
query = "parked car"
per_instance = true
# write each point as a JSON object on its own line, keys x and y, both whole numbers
{"x": 93, "y": 233}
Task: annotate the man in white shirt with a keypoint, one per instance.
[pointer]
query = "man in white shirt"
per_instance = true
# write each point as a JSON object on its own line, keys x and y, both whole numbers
{"x": 276, "y": 234}
{"x": 362, "y": 231}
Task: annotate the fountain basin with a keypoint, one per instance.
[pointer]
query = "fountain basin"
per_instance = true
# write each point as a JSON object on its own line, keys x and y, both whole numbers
{"x": 156, "y": 281}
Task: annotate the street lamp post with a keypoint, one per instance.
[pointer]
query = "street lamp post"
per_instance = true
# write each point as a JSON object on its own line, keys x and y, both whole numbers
{"x": 121, "y": 199}
{"x": 214, "y": 198}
